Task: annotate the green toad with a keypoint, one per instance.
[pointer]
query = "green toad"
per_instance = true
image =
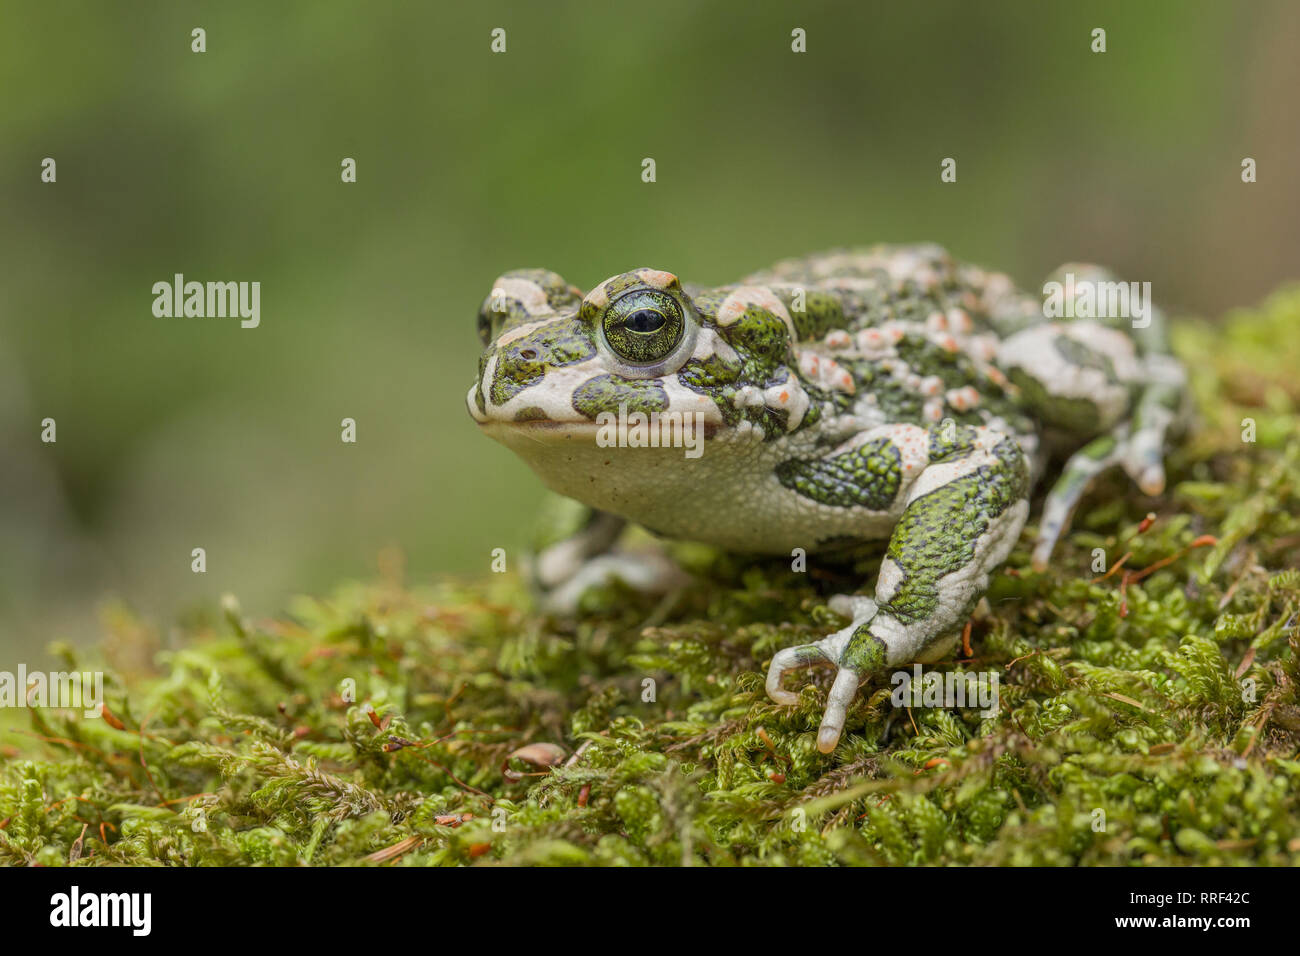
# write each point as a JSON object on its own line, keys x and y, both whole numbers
{"x": 881, "y": 393}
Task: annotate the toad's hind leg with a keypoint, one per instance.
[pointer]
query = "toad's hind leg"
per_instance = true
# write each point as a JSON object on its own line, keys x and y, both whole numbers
{"x": 963, "y": 515}
{"x": 1112, "y": 379}
{"x": 1136, "y": 445}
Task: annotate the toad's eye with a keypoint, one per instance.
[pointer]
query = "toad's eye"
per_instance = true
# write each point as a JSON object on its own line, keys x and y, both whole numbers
{"x": 484, "y": 328}
{"x": 643, "y": 327}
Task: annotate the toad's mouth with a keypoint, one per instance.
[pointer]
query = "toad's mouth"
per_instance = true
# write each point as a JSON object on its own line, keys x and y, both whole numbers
{"x": 588, "y": 447}
{"x": 637, "y": 429}
{"x": 541, "y": 430}
{"x": 490, "y": 420}
{"x": 514, "y": 433}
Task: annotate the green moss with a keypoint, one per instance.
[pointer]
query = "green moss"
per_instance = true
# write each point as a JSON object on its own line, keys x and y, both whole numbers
{"x": 1121, "y": 704}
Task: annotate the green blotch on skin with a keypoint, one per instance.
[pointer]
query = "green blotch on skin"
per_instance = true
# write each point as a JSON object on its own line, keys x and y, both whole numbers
{"x": 926, "y": 358}
{"x": 523, "y": 362}
{"x": 1076, "y": 414}
{"x": 759, "y": 334}
{"x": 822, "y": 313}
{"x": 865, "y": 653}
{"x": 606, "y": 393}
{"x": 709, "y": 372}
{"x": 948, "y": 442}
{"x": 1079, "y": 354}
{"x": 868, "y": 476}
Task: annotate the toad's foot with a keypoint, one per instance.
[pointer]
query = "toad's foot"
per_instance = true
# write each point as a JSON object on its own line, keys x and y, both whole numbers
{"x": 832, "y": 650}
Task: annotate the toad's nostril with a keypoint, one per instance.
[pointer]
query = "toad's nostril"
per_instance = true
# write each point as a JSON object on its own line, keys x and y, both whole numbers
{"x": 528, "y": 355}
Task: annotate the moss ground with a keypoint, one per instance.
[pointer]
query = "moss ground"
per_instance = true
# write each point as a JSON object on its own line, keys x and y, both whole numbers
{"x": 1146, "y": 717}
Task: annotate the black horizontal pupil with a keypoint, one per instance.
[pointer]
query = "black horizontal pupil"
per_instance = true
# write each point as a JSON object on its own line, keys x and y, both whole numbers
{"x": 644, "y": 320}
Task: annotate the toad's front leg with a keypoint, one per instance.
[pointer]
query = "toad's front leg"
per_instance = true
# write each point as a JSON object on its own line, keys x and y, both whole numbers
{"x": 963, "y": 514}
{"x": 577, "y": 549}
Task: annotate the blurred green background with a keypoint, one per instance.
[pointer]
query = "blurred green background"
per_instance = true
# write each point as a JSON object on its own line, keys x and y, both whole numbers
{"x": 183, "y": 433}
